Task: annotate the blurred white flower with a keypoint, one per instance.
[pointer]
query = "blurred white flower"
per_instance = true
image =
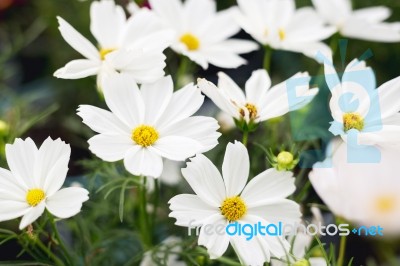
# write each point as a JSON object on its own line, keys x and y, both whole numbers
{"x": 165, "y": 254}
{"x": 201, "y": 33}
{"x": 220, "y": 200}
{"x": 261, "y": 102}
{"x": 34, "y": 182}
{"x": 365, "y": 23}
{"x": 131, "y": 46}
{"x": 363, "y": 193}
{"x": 278, "y": 24}
{"x": 171, "y": 174}
{"x": 147, "y": 125}
{"x": 356, "y": 104}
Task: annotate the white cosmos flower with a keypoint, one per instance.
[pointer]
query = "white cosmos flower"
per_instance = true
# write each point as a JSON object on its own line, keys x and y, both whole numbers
{"x": 201, "y": 33}
{"x": 133, "y": 45}
{"x": 356, "y": 104}
{"x": 149, "y": 124}
{"x": 363, "y": 193}
{"x": 220, "y": 200}
{"x": 278, "y": 24}
{"x": 365, "y": 23}
{"x": 261, "y": 101}
{"x": 34, "y": 182}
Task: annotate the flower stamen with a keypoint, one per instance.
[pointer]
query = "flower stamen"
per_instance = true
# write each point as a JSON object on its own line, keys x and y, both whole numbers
{"x": 145, "y": 135}
{"x": 35, "y": 196}
{"x": 233, "y": 208}
{"x": 352, "y": 121}
{"x": 192, "y": 42}
{"x": 252, "y": 109}
{"x": 104, "y": 51}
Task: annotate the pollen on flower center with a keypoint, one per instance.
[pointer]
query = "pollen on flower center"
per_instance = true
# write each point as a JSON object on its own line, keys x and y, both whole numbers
{"x": 191, "y": 41}
{"x": 385, "y": 204}
{"x": 352, "y": 121}
{"x": 251, "y": 108}
{"x": 35, "y": 196}
{"x": 282, "y": 34}
{"x": 233, "y": 208}
{"x": 104, "y": 51}
{"x": 145, "y": 135}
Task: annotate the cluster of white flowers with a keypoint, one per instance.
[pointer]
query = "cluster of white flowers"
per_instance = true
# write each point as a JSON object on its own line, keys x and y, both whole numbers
{"x": 150, "y": 125}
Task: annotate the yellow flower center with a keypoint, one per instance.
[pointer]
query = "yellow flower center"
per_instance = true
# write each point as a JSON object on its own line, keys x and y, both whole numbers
{"x": 144, "y": 135}
{"x": 282, "y": 34}
{"x": 252, "y": 111}
{"x": 285, "y": 158}
{"x": 191, "y": 41}
{"x": 352, "y": 121}
{"x": 233, "y": 208}
{"x": 104, "y": 51}
{"x": 385, "y": 204}
{"x": 35, "y": 196}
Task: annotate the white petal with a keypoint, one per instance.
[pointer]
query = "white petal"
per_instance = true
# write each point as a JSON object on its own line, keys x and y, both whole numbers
{"x": 200, "y": 128}
{"x": 190, "y": 210}
{"x": 77, "y": 41}
{"x": 317, "y": 261}
{"x": 205, "y": 180}
{"x": 32, "y": 215}
{"x": 215, "y": 243}
{"x": 10, "y": 187}
{"x": 223, "y": 58}
{"x": 156, "y": 97}
{"x": 250, "y": 252}
{"x": 333, "y": 11}
{"x": 230, "y": 89}
{"x": 143, "y": 161}
{"x": 80, "y": 68}
{"x": 220, "y": 27}
{"x": 123, "y": 97}
{"x": 67, "y": 202}
{"x": 10, "y": 209}
{"x": 176, "y": 148}
{"x": 373, "y": 14}
{"x": 110, "y": 147}
{"x": 278, "y": 210}
{"x": 235, "y": 168}
{"x": 52, "y": 162}
{"x": 21, "y": 158}
{"x": 307, "y": 27}
{"x": 360, "y": 29}
{"x": 215, "y": 94}
{"x": 101, "y": 121}
{"x": 107, "y": 22}
{"x": 268, "y": 185}
{"x": 197, "y": 13}
{"x": 184, "y": 103}
{"x": 171, "y": 174}
{"x": 389, "y": 93}
{"x": 287, "y": 96}
{"x": 171, "y": 12}
{"x": 257, "y": 86}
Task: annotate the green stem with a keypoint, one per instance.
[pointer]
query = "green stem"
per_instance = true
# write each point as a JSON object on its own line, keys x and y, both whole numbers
{"x": 59, "y": 239}
{"x": 342, "y": 250}
{"x": 155, "y": 202}
{"x": 144, "y": 218}
{"x": 49, "y": 253}
{"x": 267, "y": 58}
{"x": 245, "y": 137}
{"x": 183, "y": 69}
